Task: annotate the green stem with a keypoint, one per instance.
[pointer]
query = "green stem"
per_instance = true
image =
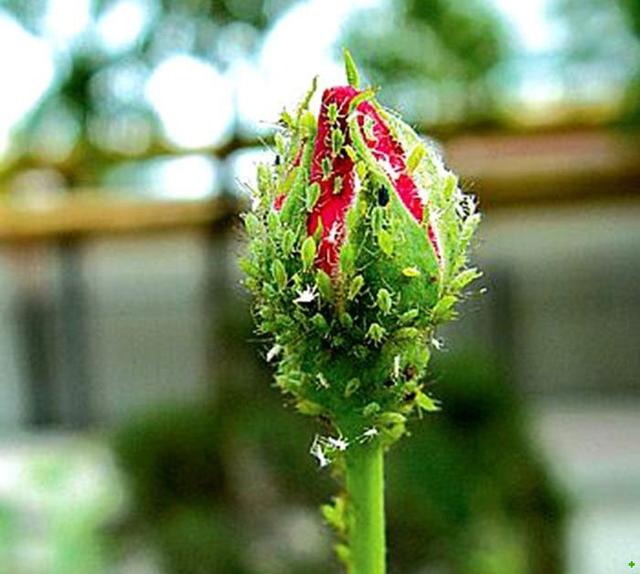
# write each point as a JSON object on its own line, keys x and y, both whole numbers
{"x": 365, "y": 491}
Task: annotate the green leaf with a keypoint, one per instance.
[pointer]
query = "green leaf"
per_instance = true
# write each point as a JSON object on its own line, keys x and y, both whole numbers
{"x": 280, "y": 143}
{"x": 288, "y": 241}
{"x": 308, "y": 252}
{"x": 347, "y": 258}
{"x": 325, "y": 287}
{"x": 463, "y": 279}
{"x": 279, "y": 273}
{"x": 425, "y": 402}
{"x": 385, "y": 241}
{"x": 273, "y": 223}
{"x": 353, "y": 77}
{"x": 363, "y": 96}
{"x": 320, "y": 323}
{"x": 287, "y": 119}
{"x": 251, "y": 223}
{"x": 443, "y": 308}
{"x": 304, "y": 104}
{"x": 409, "y": 316}
{"x": 343, "y": 553}
{"x": 308, "y": 123}
{"x": 416, "y": 155}
{"x": 355, "y": 287}
{"x": 312, "y": 195}
{"x": 351, "y": 153}
{"x": 264, "y": 178}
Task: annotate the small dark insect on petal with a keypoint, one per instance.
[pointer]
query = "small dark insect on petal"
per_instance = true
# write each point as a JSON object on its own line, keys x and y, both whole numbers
{"x": 383, "y": 196}
{"x": 277, "y": 160}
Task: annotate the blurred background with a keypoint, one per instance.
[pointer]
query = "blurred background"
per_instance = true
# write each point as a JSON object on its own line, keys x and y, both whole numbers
{"x": 139, "y": 433}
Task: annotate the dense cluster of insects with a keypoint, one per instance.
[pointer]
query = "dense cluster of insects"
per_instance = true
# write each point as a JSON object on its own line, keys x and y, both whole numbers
{"x": 358, "y": 239}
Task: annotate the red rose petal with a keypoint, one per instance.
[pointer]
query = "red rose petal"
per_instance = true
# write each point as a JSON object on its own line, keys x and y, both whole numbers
{"x": 331, "y": 208}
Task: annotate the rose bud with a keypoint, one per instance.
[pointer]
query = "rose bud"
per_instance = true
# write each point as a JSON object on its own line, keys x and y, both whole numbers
{"x": 358, "y": 242}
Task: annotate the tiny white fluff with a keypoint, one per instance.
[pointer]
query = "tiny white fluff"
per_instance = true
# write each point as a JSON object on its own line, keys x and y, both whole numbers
{"x": 339, "y": 443}
{"x": 368, "y": 434}
{"x": 273, "y": 352}
{"x": 396, "y": 367}
{"x": 307, "y": 295}
{"x": 317, "y": 452}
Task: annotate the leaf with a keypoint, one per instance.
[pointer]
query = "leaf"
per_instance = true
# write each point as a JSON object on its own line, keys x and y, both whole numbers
{"x": 287, "y": 119}
{"x": 355, "y": 287}
{"x": 463, "y": 279}
{"x": 443, "y": 308}
{"x": 304, "y": 104}
{"x": 308, "y": 123}
{"x": 353, "y": 77}
{"x": 363, "y": 96}
{"x": 308, "y": 252}
{"x": 312, "y": 195}
{"x": 279, "y": 273}
{"x": 425, "y": 402}
{"x": 385, "y": 241}
{"x": 416, "y": 155}
{"x": 346, "y": 320}
{"x": 347, "y": 258}
{"x": 288, "y": 241}
{"x": 325, "y": 287}
{"x": 251, "y": 223}
{"x": 280, "y": 143}
{"x": 320, "y": 323}
{"x": 273, "y": 222}
{"x": 409, "y": 316}
{"x": 264, "y": 178}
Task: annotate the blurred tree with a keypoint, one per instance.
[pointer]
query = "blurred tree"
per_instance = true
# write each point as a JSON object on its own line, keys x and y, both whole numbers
{"x": 600, "y": 51}
{"x": 95, "y": 114}
{"x": 435, "y": 59}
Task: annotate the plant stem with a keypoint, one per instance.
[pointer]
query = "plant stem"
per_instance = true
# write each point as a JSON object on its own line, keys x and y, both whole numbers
{"x": 365, "y": 491}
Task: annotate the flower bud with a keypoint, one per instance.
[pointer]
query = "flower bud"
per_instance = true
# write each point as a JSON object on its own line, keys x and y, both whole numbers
{"x": 358, "y": 249}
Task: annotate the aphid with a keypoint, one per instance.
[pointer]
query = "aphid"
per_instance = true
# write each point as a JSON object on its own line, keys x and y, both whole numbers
{"x": 383, "y": 196}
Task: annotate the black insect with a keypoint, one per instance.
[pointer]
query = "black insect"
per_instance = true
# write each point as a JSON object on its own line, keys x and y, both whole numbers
{"x": 383, "y": 196}
{"x": 410, "y": 396}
